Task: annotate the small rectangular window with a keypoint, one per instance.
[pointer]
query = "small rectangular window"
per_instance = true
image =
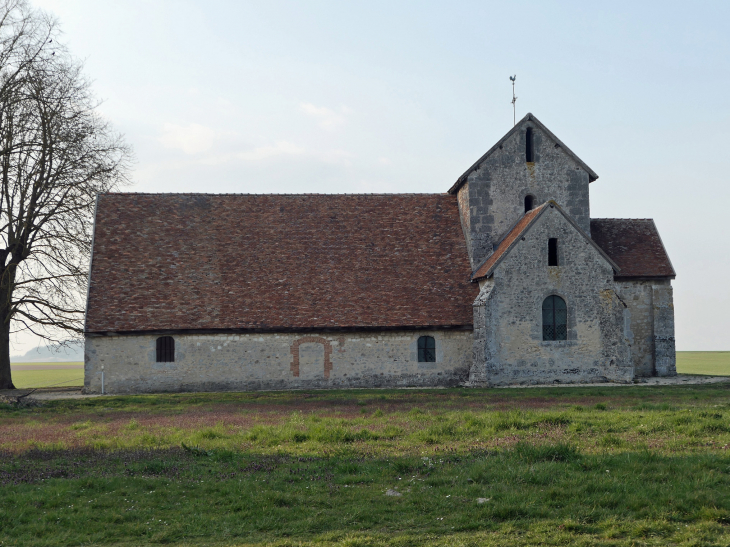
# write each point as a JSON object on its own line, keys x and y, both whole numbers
{"x": 165, "y": 349}
{"x": 529, "y": 146}
{"x": 552, "y": 251}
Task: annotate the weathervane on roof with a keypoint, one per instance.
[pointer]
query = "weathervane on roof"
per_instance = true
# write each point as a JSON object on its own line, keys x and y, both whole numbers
{"x": 514, "y": 100}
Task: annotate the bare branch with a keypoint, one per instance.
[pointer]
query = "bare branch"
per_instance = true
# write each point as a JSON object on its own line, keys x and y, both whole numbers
{"x": 56, "y": 155}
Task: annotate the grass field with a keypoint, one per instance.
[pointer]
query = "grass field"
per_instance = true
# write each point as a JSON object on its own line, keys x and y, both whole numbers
{"x": 632, "y": 465}
{"x": 43, "y": 378}
{"x": 715, "y": 363}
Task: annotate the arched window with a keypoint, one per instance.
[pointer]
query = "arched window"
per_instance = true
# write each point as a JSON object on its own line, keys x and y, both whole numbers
{"x": 165, "y": 349}
{"x": 529, "y": 146}
{"x": 426, "y": 349}
{"x": 529, "y": 203}
{"x": 554, "y": 319}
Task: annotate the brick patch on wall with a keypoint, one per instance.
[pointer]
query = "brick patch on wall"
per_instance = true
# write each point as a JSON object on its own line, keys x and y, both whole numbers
{"x": 311, "y": 340}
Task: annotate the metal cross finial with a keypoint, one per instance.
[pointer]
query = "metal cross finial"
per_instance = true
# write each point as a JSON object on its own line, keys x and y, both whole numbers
{"x": 514, "y": 100}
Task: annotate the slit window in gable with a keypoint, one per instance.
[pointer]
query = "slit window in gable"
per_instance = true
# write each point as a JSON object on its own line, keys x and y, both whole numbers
{"x": 529, "y": 146}
{"x": 553, "y": 251}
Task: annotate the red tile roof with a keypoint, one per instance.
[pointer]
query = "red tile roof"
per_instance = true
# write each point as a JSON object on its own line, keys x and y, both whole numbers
{"x": 509, "y": 240}
{"x": 634, "y": 244}
{"x": 207, "y": 262}
{"x": 522, "y": 226}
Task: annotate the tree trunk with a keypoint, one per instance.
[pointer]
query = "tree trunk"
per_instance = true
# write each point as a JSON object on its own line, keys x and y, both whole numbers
{"x": 6, "y": 381}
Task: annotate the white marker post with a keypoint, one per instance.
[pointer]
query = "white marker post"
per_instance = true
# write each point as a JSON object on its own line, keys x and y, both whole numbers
{"x": 102, "y": 379}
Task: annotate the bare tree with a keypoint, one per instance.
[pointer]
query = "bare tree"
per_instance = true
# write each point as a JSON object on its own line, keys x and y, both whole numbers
{"x": 56, "y": 155}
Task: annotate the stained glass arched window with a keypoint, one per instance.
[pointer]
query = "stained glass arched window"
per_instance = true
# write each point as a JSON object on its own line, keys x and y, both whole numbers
{"x": 554, "y": 319}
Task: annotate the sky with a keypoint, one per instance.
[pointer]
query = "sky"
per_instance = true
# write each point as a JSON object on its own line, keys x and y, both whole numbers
{"x": 374, "y": 96}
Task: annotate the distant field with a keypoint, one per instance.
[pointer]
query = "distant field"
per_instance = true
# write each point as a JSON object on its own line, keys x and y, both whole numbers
{"x": 44, "y": 378}
{"x": 715, "y": 363}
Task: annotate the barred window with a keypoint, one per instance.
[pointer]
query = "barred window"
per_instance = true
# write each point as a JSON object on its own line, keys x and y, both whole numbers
{"x": 554, "y": 319}
{"x": 426, "y": 349}
{"x": 165, "y": 349}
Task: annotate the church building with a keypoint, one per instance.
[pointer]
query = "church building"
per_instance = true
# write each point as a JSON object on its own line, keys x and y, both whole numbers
{"x": 503, "y": 280}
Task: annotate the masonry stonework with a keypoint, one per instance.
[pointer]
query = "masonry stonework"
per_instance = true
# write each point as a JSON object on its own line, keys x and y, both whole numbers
{"x": 652, "y": 324}
{"x": 344, "y": 285}
{"x": 637, "y": 296}
{"x": 665, "y": 356}
{"x": 276, "y": 361}
{"x": 495, "y": 191}
{"x": 509, "y": 346}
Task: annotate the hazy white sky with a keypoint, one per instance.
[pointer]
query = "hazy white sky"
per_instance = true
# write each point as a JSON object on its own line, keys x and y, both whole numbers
{"x": 375, "y": 96}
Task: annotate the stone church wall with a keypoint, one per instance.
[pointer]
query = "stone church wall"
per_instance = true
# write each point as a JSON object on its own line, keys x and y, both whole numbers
{"x": 665, "y": 355}
{"x": 652, "y": 324}
{"x": 237, "y": 362}
{"x": 494, "y": 194}
{"x": 509, "y": 346}
{"x": 637, "y": 296}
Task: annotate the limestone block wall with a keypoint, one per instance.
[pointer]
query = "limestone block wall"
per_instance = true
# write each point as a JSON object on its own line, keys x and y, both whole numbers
{"x": 509, "y": 347}
{"x": 652, "y": 324}
{"x": 492, "y": 199}
{"x": 637, "y": 296}
{"x": 221, "y": 362}
{"x": 665, "y": 356}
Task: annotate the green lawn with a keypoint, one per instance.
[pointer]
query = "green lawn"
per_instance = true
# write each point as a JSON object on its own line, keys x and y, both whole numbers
{"x": 614, "y": 466}
{"x": 714, "y": 363}
{"x": 44, "y": 378}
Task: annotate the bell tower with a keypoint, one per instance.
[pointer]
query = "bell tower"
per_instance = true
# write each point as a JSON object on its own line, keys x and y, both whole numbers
{"x": 525, "y": 168}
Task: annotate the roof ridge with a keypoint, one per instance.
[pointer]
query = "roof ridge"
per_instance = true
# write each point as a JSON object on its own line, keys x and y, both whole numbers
{"x": 541, "y": 206}
{"x": 616, "y": 218}
{"x": 270, "y": 194}
{"x": 528, "y": 219}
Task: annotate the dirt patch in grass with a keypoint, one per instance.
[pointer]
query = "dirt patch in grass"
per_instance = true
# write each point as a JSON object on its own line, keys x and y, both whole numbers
{"x": 579, "y": 466}
{"x": 389, "y": 421}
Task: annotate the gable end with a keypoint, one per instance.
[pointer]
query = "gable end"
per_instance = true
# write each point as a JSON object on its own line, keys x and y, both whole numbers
{"x": 528, "y": 118}
{"x": 513, "y": 237}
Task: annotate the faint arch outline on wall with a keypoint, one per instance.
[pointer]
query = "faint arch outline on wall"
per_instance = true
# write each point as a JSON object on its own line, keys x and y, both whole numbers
{"x": 311, "y": 340}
